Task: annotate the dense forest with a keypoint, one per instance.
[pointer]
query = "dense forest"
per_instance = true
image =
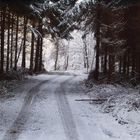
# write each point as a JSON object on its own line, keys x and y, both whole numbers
{"x": 115, "y": 25}
{"x": 69, "y": 69}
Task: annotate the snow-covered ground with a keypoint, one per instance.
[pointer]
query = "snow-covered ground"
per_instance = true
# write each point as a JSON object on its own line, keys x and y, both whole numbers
{"x": 123, "y": 104}
{"x": 45, "y": 107}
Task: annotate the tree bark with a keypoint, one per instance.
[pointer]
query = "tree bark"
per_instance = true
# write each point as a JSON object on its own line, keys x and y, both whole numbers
{"x": 8, "y": 41}
{"x": 57, "y": 53}
{"x": 32, "y": 51}
{"x": 16, "y": 45}
{"x": 24, "y": 43}
{"x": 2, "y": 38}
{"x": 12, "y": 35}
{"x": 36, "y": 68}
{"x": 97, "y": 36}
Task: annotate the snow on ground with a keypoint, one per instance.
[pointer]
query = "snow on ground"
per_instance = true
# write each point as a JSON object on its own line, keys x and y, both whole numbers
{"x": 123, "y": 104}
{"x": 50, "y": 111}
{"x": 11, "y": 103}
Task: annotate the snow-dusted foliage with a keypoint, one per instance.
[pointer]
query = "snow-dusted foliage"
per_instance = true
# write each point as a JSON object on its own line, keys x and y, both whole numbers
{"x": 72, "y": 54}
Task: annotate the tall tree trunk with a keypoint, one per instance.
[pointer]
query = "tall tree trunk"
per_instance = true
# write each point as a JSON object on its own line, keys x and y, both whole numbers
{"x": 41, "y": 50}
{"x": 32, "y": 51}
{"x": 36, "y": 68}
{"x": 24, "y": 43}
{"x": 67, "y": 57}
{"x": 38, "y": 54}
{"x": 57, "y": 53}
{"x": 12, "y": 36}
{"x": 2, "y": 38}
{"x": 41, "y": 47}
{"x": 8, "y": 42}
{"x": 97, "y": 36}
{"x": 16, "y": 45}
{"x": 86, "y": 55}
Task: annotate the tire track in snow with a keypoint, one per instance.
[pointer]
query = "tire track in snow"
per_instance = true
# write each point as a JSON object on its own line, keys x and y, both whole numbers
{"x": 65, "y": 112}
{"x": 18, "y": 126}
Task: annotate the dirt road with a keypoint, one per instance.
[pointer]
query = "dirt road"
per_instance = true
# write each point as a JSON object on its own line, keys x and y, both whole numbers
{"x": 50, "y": 111}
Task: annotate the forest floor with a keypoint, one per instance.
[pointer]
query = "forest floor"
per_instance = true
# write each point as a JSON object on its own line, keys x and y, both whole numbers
{"x": 49, "y": 107}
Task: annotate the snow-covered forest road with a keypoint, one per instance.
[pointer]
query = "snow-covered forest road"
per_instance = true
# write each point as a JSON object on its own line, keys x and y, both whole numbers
{"x": 45, "y": 107}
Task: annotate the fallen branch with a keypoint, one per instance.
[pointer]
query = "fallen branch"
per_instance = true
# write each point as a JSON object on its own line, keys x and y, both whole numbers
{"x": 93, "y": 100}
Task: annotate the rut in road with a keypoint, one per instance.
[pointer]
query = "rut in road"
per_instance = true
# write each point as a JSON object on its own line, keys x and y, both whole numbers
{"x": 18, "y": 125}
{"x": 65, "y": 112}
